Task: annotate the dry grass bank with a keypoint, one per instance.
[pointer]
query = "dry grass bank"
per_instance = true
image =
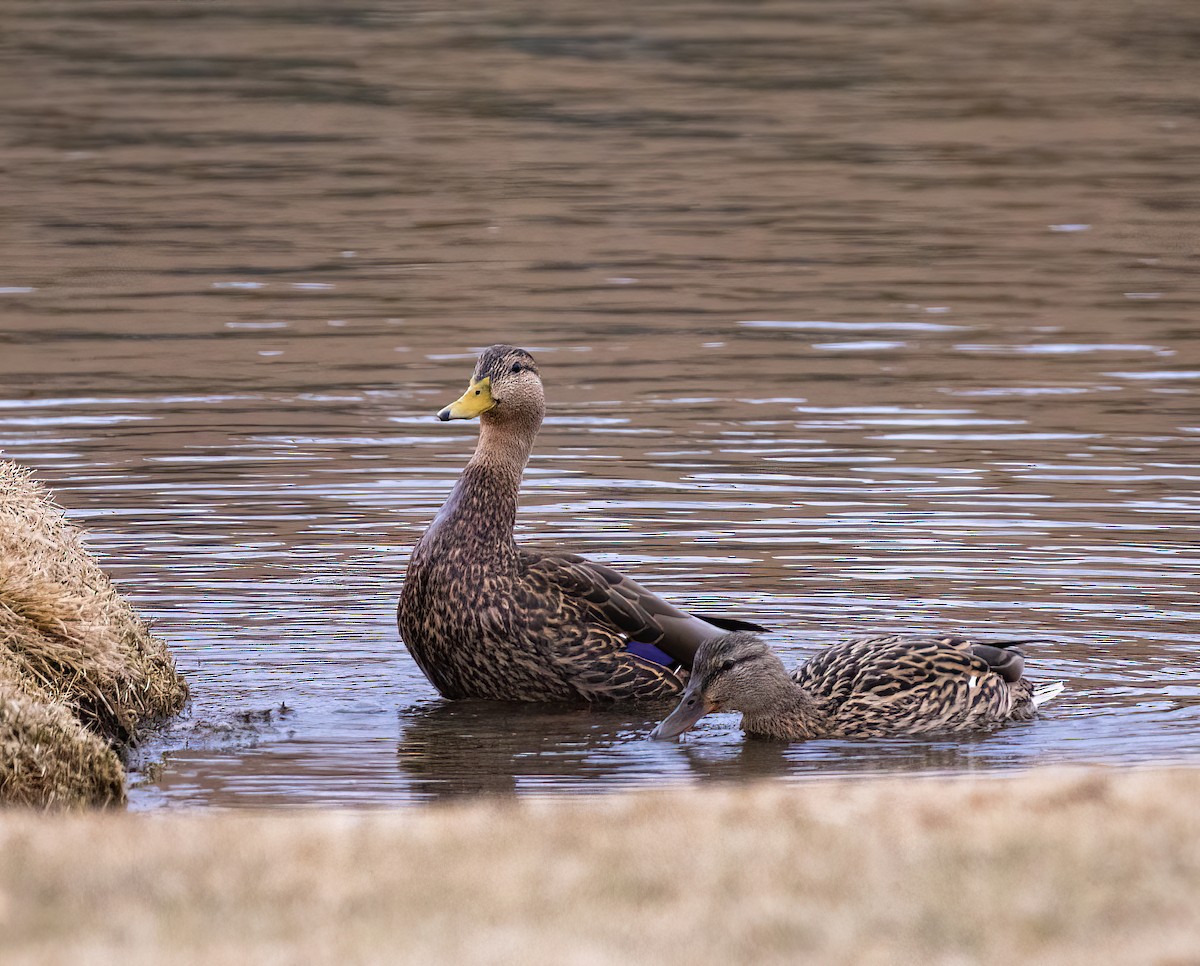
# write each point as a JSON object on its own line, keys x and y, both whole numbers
{"x": 79, "y": 670}
{"x": 1076, "y": 866}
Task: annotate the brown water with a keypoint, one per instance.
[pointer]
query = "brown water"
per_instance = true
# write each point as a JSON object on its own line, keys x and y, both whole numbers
{"x": 854, "y": 317}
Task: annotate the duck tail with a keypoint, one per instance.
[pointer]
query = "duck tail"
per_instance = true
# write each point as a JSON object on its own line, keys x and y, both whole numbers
{"x": 1044, "y": 692}
{"x": 1004, "y": 659}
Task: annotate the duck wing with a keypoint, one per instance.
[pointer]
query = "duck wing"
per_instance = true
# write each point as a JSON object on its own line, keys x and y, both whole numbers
{"x": 620, "y": 606}
{"x": 911, "y": 684}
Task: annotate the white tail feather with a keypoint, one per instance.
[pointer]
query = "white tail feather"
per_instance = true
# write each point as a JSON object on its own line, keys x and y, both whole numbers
{"x": 1044, "y": 692}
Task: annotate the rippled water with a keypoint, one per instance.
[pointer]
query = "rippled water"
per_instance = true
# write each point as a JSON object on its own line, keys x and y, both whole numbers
{"x": 853, "y": 318}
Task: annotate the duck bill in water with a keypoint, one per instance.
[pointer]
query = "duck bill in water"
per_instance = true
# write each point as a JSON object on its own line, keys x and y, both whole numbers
{"x": 476, "y": 401}
{"x": 692, "y": 707}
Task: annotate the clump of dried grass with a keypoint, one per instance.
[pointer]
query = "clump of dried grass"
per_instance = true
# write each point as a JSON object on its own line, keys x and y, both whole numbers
{"x": 47, "y": 758}
{"x": 80, "y": 672}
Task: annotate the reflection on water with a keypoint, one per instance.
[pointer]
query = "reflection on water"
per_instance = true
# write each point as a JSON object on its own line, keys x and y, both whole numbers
{"x": 853, "y": 318}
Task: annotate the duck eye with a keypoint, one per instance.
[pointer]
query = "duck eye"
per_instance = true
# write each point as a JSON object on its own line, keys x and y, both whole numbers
{"x": 726, "y": 665}
{"x": 517, "y": 367}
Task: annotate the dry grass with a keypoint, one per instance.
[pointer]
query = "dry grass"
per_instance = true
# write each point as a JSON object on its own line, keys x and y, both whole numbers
{"x": 1057, "y": 866}
{"x": 47, "y": 758}
{"x": 79, "y": 670}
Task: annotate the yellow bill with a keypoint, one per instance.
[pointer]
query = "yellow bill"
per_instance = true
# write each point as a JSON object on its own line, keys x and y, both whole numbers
{"x": 474, "y": 402}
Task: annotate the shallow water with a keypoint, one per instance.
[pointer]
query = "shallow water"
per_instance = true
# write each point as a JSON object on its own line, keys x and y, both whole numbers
{"x": 853, "y": 318}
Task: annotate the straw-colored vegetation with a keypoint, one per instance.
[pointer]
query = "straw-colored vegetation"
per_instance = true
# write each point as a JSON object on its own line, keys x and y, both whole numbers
{"x": 79, "y": 670}
{"x": 1088, "y": 867}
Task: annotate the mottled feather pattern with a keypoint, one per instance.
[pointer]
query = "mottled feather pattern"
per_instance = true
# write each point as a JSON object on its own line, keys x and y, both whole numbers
{"x": 502, "y": 626}
{"x": 904, "y": 684}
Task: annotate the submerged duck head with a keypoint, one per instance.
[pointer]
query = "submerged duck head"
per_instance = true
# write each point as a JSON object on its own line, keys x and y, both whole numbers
{"x": 735, "y": 672}
{"x": 505, "y": 386}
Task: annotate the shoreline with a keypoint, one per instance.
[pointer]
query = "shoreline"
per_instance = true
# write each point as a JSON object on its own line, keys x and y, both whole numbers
{"x": 1088, "y": 864}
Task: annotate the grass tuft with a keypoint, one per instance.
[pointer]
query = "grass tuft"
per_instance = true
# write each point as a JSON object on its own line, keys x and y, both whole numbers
{"x": 80, "y": 672}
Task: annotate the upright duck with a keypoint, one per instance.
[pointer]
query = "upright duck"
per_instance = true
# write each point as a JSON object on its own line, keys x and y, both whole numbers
{"x": 484, "y": 617}
{"x": 864, "y": 688}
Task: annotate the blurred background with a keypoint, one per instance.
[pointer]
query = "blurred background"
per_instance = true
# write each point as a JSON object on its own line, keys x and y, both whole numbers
{"x": 854, "y": 317}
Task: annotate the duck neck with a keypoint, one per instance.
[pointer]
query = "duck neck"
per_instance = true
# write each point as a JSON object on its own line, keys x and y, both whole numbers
{"x": 484, "y": 500}
{"x": 783, "y": 710}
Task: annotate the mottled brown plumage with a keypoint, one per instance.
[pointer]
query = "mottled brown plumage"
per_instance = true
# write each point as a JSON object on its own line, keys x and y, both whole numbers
{"x": 864, "y": 688}
{"x": 486, "y": 618}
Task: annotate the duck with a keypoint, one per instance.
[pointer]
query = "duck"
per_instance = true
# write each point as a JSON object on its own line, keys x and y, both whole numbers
{"x": 485, "y": 617}
{"x": 868, "y": 687}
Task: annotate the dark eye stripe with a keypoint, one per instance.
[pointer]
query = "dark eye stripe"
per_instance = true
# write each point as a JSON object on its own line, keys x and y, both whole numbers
{"x": 728, "y": 665}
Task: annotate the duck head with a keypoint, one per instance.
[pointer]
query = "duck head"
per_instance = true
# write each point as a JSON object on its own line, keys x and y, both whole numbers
{"x": 734, "y": 672}
{"x": 505, "y": 386}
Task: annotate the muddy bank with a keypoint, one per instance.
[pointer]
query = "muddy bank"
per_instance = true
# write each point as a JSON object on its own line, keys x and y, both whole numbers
{"x": 1069, "y": 866}
{"x": 80, "y": 672}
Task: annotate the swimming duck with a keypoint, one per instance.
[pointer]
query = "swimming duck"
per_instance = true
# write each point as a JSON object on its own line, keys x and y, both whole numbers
{"x": 484, "y": 617}
{"x": 864, "y": 688}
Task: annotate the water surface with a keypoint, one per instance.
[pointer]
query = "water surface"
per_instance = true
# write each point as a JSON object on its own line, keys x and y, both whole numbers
{"x": 854, "y": 318}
